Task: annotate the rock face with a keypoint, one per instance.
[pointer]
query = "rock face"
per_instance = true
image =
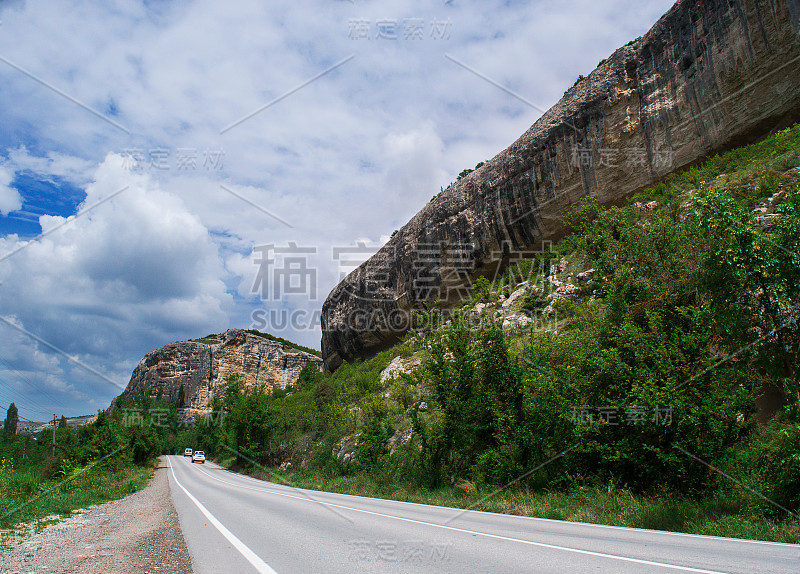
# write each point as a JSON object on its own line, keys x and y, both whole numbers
{"x": 710, "y": 75}
{"x": 203, "y": 367}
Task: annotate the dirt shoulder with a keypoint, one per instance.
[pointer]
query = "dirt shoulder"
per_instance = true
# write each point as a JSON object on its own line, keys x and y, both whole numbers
{"x": 139, "y": 533}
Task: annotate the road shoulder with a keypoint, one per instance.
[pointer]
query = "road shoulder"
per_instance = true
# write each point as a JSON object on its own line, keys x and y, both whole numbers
{"x": 139, "y": 533}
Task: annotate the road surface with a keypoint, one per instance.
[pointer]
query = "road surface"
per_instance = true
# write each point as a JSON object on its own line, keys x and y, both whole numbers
{"x": 235, "y": 523}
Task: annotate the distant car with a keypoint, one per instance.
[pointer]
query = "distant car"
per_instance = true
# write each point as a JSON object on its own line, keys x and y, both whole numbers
{"x": 199, "y": 456}
{"x": 187, "y": 452}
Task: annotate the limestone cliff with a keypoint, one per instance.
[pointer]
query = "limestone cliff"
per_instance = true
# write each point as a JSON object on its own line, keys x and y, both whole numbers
{"x": 203, "y": 367}
{"x": 709, "y": 75}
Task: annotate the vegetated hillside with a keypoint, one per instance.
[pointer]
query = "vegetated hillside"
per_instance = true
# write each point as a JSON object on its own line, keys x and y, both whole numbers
{"x": 708, "y": 76}
{"x": 640, "y": 352}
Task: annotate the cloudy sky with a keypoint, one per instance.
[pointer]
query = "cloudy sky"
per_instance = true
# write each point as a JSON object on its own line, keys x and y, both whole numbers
{"x": 173, "y": 169}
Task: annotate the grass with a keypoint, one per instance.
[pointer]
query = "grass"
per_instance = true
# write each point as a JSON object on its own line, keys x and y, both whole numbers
{"x": 596, "y": 505}
{"x": 751, "y": 174}
{"x": 26, "y": 499}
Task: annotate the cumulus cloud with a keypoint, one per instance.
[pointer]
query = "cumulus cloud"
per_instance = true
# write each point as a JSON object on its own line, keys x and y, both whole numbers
{"x": 341, "y": 155}
{"x": 100, "y": 284}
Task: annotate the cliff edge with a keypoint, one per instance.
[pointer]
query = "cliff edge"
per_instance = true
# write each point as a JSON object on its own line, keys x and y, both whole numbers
{"x": 202, "y": 367}
{"x": 708, "y": 76}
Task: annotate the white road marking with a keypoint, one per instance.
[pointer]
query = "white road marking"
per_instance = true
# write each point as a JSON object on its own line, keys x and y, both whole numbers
{"x": 251, "y": 556}
{"x": 478, "y": 533}
{"x": 532, "y": 518}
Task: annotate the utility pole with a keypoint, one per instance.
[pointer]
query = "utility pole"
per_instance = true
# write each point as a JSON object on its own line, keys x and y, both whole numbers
{"x": 54, "y": 435}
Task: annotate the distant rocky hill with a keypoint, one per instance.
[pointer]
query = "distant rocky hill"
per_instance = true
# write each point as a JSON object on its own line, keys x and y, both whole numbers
{"x": 37, "y": 428}
{"x": 710, "y": 75}
{"x": 203, "y": 366}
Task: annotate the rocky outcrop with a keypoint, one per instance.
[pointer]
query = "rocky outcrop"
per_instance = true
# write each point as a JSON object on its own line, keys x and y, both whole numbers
{"x": 203, "y": 367}
{"x": 709, "y": 75}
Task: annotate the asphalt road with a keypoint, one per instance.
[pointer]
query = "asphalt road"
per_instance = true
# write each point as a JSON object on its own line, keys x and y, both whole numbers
{"x": 235, "y": 523}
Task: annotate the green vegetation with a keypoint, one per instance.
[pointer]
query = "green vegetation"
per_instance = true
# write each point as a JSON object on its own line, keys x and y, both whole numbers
{"x": 464, "y": 173}
{"x": 213, "y": 339}
{"x": 636, "y": 405}
{"x": 12, "y": 418}
{"x": 286, "y": 343}
{"x": 104, "y": 460}
{"x": 640, "y": 411}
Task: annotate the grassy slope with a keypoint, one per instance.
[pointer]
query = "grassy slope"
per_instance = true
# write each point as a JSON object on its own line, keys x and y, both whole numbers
{"x": 749, "y": 174}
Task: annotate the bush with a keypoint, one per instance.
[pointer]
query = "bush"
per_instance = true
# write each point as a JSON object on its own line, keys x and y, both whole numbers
{"x": 781, "y": 464}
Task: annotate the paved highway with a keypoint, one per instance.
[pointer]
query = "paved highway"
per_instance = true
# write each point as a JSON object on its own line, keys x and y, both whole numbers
{"x": 235, "y": 523}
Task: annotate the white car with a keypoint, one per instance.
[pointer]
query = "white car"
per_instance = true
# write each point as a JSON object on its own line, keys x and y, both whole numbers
{"x": 187, "y": 452}
{"x": 199, "y": 456}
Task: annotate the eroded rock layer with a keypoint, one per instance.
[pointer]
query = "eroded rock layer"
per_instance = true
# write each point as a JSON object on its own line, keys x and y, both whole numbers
{"x": 709, "y": 75}
{"x": 203, "y": 367}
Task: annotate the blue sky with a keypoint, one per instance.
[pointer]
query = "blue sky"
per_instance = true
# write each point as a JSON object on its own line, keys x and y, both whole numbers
{"x": 148, "y": 149}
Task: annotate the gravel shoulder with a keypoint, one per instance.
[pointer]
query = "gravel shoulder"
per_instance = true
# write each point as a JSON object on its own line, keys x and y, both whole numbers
{"x": 139, "y": 533}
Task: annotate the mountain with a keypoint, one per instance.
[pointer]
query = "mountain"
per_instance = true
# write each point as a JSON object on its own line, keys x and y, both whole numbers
{"x": 202, "y": 367}
{"x": 708, "y": 76}
{"x": 37, "y": 428}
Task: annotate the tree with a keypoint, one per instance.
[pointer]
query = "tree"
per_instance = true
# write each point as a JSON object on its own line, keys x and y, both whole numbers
{"x": 62, "y": 424}
{"x": 308, "y": 378}
{"x": 754, "y": 278}
{"x": 12, "y": 418}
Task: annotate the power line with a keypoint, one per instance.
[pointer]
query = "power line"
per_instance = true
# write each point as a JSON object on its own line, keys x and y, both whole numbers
{"x": 10, "y": 393}
{"x": 26, "y": 399}
{"x": 40, "y": 387}
{"x": 18, "y": 415}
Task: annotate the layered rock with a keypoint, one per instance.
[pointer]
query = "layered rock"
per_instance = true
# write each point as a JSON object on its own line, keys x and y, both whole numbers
{"x": 203, "y": 367}
{"x": 709, "y": 75}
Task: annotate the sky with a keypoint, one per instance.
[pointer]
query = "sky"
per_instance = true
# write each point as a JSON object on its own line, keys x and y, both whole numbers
{"x": 174, "y": 169}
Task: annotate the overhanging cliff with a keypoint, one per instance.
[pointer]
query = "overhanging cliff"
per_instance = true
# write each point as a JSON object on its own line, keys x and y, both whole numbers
{"x": 708, "y": 76}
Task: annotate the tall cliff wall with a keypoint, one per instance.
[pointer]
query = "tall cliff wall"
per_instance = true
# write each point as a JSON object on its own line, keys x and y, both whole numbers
{"x": 709, "y": 75}
{"x": 203, "y": 367}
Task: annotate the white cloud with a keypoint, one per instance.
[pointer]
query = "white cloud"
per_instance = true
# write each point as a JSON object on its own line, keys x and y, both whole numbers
{"x": 414, "y": 165}
{"x": 101, "y": 285}
{"x": 353, "y": 154}
{"x": 10, "y": 199}
{"x": 73, "y": 169}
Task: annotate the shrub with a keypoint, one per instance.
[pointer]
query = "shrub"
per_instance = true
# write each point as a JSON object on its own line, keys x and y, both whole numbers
{"x": 781, "y": 464}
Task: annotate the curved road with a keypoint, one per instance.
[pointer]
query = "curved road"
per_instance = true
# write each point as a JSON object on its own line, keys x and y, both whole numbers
{"x": 235, "y": 523}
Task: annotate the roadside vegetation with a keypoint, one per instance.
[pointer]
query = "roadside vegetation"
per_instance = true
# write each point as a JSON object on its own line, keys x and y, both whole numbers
{"x": 639, "y": 404}
{"x": 637, "y": 397}
{"x": 98, "y": 462}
